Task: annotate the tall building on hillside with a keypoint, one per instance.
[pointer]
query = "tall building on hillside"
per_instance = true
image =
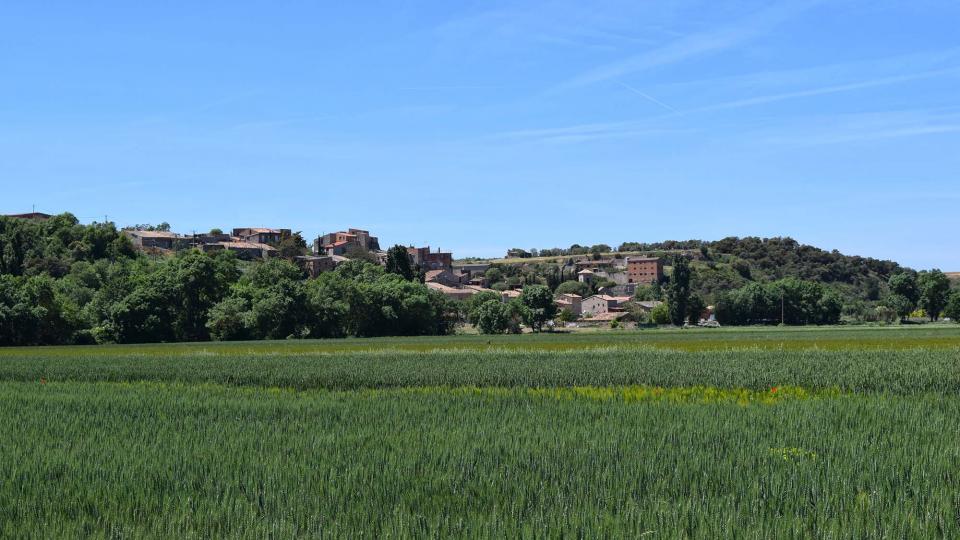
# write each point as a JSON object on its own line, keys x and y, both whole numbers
{"x": 644, "y": 269}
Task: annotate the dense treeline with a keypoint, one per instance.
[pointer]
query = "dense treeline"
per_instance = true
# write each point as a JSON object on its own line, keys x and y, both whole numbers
{"x": 790, "y": 301}
{"x": 62, "y": 282}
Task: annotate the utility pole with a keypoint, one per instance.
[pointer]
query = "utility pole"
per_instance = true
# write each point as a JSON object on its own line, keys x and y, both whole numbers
{"x": 782, "y": 309}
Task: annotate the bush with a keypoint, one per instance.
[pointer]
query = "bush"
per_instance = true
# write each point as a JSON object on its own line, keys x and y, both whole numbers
{"x": 660, "y": 314}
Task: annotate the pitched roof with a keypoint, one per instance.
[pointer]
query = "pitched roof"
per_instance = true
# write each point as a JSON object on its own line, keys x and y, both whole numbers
{"x": 431, "y": 275}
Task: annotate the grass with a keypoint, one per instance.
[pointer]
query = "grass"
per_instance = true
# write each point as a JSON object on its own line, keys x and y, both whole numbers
{"x": 755, "y": 433}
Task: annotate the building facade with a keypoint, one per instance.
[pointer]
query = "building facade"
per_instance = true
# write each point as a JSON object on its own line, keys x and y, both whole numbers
{"x": 430, "y": 260}
{"x": 644, "y": 270}
{"x": 573, "y": 302}
{"x": 340, "y": 242}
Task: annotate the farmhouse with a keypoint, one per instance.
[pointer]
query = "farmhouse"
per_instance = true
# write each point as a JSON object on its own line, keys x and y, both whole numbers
{"x": 601, "y": 303}
{"x": 572, "y": 302}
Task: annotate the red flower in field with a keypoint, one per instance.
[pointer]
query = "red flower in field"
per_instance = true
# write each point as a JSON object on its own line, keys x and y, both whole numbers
{"x": 774, "y": 389}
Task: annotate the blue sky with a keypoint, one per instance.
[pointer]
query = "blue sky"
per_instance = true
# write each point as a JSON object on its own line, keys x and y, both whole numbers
{"x": 476, "y": 127}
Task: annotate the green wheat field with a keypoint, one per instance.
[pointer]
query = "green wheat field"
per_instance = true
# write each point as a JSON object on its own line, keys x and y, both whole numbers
{"x": 755, "y": 433}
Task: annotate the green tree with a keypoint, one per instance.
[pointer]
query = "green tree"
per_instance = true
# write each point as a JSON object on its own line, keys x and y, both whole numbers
{"x": 540, "y": 306}
{"x": 472, "y": 304}
{"x": 491, "y": 317}
{"x": 934, "y": 287}
{"x": 695, "y": 307}
{"x": 291, "y": 246}
{"x": 660, "y": 314}
{"x": 493, "y": 275}
{"x": 901, "y": 305}
{"x": 678, "y": 290}
{"x": 905, "y": 285}
{"x": 952, "y": 309}
{"x": 573, "y": 287}
{"x": 398, "y": 262}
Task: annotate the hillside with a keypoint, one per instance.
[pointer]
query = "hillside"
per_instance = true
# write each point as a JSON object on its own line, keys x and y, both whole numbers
{"x": 727, "y": 264}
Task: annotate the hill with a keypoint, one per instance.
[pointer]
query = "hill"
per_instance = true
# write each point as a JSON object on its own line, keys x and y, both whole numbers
{"x": 724, "y": 265}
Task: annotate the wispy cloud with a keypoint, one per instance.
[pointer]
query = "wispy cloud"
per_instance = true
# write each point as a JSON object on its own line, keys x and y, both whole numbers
{"x": 647, "y": 96}
{"x": 825, "y": 90}
{"x": 853, "y": 128}
{"x": 588, "y": 132}
{"x": 695, "y": 45}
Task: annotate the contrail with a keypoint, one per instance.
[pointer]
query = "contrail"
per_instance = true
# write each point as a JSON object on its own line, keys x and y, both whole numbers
{"x": 648, "y": 97}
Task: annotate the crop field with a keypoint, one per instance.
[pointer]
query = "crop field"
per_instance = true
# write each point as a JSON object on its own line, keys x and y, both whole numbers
{"x": 753, "y": 433}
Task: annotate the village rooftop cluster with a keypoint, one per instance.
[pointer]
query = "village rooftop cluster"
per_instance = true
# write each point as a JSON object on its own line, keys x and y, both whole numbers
{"x": 458, "y": 281}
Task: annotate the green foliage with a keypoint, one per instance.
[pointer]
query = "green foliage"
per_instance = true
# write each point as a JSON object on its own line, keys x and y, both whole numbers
{"x": 695, "y": 307}
{"x": 792, "y": 300}
{"x": 573, "y": 287}
{"x": 33, "y": 247}
{"x": 660, "y": 314}
{"x": 491, "y": 317}
{"x": 899, "y": 304}
{"x": 905, "y": 284}
{"x": 291, "y": 246}
{"x": 493, "y": 275}
{"x": 648, "y": 292}
{"x": 398, "y": 262}
{"x": 474, "y": 302}
{"x": 540, "y": 308}
{"x": 678, "y": 290}
{"x": 952, "y": 309}
{"x": 566, "y": 315}
{"x": 934, "y": 288}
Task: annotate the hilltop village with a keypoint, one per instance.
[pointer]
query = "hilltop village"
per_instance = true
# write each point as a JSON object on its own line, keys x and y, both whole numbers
{"x": 613, "y": 280}
{"x": 66, "y": 282}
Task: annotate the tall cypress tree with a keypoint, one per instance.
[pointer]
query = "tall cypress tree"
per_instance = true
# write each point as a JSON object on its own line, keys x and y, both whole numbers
{"x": 398, "y": 262}
{"x": 678, "y": 290}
